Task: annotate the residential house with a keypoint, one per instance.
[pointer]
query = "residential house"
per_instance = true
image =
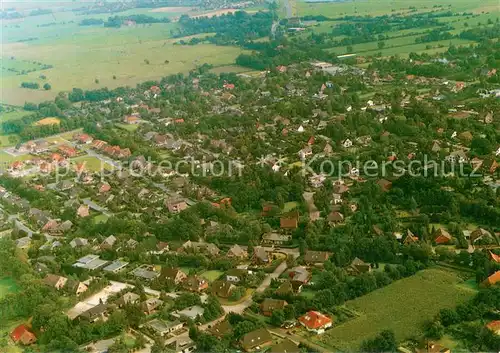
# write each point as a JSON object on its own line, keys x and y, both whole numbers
{"x": 96, "y": 313}
{"x": 108, "y": 242}
{"x": 285, "y": 346}
{"x": 410, "y": 238}
{"x": 305, "y": 152}
{"x": 194, "y": 313}
{"x": 316, "y": 257}
{"x": 299, "y": 274}
{"x": 268, "y": 305}
{"x": 131, "y": 120}
{"x": 491, "y": 280}
{"x": 275, "y": 239}
{"x": 494, "y": 257}
{"x": 161, "y": 247}
{"x": 237, "y": 251}
{"x": 256, "y": 340}
{"x": 181, "y": 345}
{"x": 104, "y": 187}
{"x": 150, "y": 305}
{"x": 316, "y": 322}
{"x": 384, "y": 184}
{"x": 441, "y": 236}
{"x": 481, "y": 234}
{"x": 115, "y": 267}
{"x": 83, "y": 211}
{"x": 222, "y": 288}
{"x": 195, "y": 284}
{"x": 221, "y": 329}
{"x": 289, "y": 223}
{"x": 457, "y": 156}
{"x": 83, "y": 138}
{"x": 260, "y": 255}
{"x": 289, "y": 288}
{"x": 494, "y": 326}
{"x": 55, "y": 281}
{"x": 432, "y": 347}
{"x": 176, "y": 206}
{"x": 78, "y": 242}
{"x": 335, "y": 217}
{"x": 236, "y": 275}
{"x": 75, "y": 287}
{"x": 163, "y": 328}
{"x": 127, "y": 298}
{"x": 358, "y": 266}
{"x": 21, "y": 334}
{"x": 173, "y": 274}
{"x": 208, "y": 248}
{"x": 347, "y": 143}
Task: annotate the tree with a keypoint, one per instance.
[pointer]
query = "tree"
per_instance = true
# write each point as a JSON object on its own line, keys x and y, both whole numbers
{"x": 277, "y": 318}
{"x": 384, "y": 342}
{"x": 381, "y": 45}
{"x": 47, "y": 86}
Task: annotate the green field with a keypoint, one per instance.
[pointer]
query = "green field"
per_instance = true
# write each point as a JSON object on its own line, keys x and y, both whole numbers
{"x": 403, "y": 307}
{"x": 92, "y": 163}
{"x": 80, "y": 55}
{"x": 7, "y": 285}
{"x": 381, "y": 7}
{"x": 211, "y": 275}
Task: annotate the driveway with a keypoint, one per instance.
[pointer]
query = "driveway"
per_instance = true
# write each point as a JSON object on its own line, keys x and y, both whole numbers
{"x": 241, "y": 307}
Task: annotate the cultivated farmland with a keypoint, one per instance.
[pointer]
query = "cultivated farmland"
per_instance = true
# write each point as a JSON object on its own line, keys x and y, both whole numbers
{"x": 403, "y": 307}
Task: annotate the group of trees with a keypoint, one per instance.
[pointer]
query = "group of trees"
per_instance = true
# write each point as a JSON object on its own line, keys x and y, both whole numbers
{"x": 467, "y": 322}
{"x": 229, "y": 28}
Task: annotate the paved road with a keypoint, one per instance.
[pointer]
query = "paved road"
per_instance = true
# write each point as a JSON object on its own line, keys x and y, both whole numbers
{"x": 241, "y": 307}
{"x": 283, "y": 333}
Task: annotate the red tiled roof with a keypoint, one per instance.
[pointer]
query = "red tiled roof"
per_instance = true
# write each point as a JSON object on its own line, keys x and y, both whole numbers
{"x": 21, "y": 333}
{"x": 495, "y": 257}
{"x": 494, "y": 325}
{"x": 314, "y": 320}
{"x": 493, "y": 279}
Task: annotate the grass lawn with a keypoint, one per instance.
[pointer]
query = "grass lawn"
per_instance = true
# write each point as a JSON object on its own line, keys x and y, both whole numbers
{"x": 382, "y": 7}
{"x": 227, "y": 302}
{"x": 100, "y": 218}
{"x": 92, "y": 163}
{"x": 403, "y": 307}
{"x": 13, "y": 115}
{"x": 7, "y": 285}
{"x": 9, "y": 140}
{"x": 211, "y": 275}
{"x": 127, "y": 127}
{"x": 8, "y": 158}
{"x": 290, "y": 206}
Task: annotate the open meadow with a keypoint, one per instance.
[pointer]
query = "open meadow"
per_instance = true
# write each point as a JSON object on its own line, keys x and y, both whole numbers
{"x": 403, "y": 307}
{"x": 399, "y": 42}
{"x": 383, "y": 7}
{"x": 54, "y": 49}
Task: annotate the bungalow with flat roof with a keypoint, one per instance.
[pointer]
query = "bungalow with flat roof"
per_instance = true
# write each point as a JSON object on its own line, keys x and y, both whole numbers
{"x": 162, "y": 328}
{"x": 116, "y": 266}
{"x": 315, "y": 257}
{"x": 90, "y": 262}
